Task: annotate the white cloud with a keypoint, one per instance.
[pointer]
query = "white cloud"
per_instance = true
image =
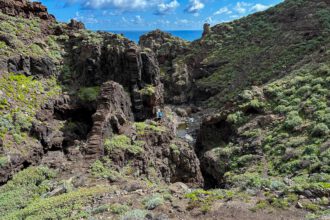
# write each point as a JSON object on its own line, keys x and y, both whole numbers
{"x": 87, "y": 19}
{"x": 119, "y": 4}
{"x": 165, "y": 8}
{"x": 241, "y": 7}
{"x": 223, "y": 10}
{"x": 260, "y": 7}
{"x": 182, "y": 21}
{"x": 194, "y": 6}
{"x": 137, "y": 19}
{"x": 209, "y": 20}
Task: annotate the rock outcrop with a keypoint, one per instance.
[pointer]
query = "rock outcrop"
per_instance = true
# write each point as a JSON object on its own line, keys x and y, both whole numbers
{"x": 112, "y": 113}
{"x": 38, "y": 66}
{"x": 76, "y": 25}
{"x": 26, "y": 9}
{"x": 114, "y": 58}
{"x": 162, "y": 155}
{"x": 175, "y": 73}
{"x": 166, "y": 46}
{"x": 206, "y": 29}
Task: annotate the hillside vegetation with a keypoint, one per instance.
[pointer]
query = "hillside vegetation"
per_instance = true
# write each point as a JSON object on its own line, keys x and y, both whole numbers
{"x": 260, "y": 48}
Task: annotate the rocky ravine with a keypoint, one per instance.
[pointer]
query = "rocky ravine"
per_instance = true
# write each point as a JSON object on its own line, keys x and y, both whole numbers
{"x": 77, "y": 126}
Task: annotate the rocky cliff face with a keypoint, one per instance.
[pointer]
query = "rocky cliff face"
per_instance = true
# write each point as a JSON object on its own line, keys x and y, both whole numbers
{"x": 166, "y": 46}
{"x": 105, "y": 83}
{"x": 113, "y": 111}
{"x": 175, "y": 74}
{"x": 25, "y": 9}
{"x": 111, "y": 57}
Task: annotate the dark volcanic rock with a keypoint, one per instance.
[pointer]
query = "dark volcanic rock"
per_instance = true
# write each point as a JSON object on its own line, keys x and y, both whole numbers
{"x": 17, "y": 162}
{"x": 113, "y": 112}
{"x": 165, "y": 46}
{"x": 115, "y": 58}
{"x": 25, "y": 9}
{"x": 41, "y": 66}
{"x": 206, "y": 29}
{"x": 176, "y": 76}
{"x": 76, "y": 25}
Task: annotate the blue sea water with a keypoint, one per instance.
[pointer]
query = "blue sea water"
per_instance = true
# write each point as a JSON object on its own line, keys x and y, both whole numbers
{"x": 184, "y": 34}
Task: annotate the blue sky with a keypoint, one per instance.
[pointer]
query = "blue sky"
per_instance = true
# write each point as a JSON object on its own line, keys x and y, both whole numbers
{"x": 152, "y": 14}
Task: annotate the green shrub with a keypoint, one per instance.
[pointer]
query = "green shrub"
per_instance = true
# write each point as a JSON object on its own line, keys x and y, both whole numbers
{"x": 118, "y": 208}
{"x": 148, "y": 90}
{"x": 175, "y": 149}
{"x": 100, "y": 209}
{"x": 134, "y": 214}
{"x": 103, "y": 170}
{"x": 311, "y": 207}
{"x": 261, "y": 205}
{"x": 293, "y": 120}
{"x": 281, "y": 203}
{"x": 143, "y": 127}
{"x": 153, "y": 201}
{"x": 89, "y": 94}
{"x": 247, "y": 95}
{"x": 36, "y": 50}
{"x": 235, "y": 118}
{"x": 26, "y": 96}
{"x": 320, "y": 130}
{"x": 122, "y": 142}
{"x": 25, "y": 186}
{"x": 3, "y": 45}
{"x": 7, "y": 27}
{"x": 60, "y": 207}
{"x": 204, "y": 199}
{"x": 3, "y": 161}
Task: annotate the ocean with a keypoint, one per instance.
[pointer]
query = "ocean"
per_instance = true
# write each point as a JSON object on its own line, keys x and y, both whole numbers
{"x": 184, "y": 34}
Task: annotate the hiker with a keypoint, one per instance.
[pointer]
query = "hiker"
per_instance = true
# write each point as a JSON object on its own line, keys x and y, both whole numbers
{"x": 159, "y": 115}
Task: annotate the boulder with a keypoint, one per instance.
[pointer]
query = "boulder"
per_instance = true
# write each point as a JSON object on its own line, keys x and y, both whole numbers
{"x": 76, "y": 25}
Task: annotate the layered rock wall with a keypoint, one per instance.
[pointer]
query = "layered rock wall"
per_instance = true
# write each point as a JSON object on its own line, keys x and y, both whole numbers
{"x": 25, "y": 9}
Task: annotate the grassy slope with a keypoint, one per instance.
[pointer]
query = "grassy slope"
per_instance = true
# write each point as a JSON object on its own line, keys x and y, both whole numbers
{"x": 289, "y": 155}
{"x": 288, "y": 60}
{"x": 21, "y": 97}
{"x": 261, "y": 47}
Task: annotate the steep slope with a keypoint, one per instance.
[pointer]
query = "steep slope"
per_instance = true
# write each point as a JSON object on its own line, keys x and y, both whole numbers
{"x": 69, "y": 94}
{"x": 256, "y": 49}
{"x": 268, "y": 77}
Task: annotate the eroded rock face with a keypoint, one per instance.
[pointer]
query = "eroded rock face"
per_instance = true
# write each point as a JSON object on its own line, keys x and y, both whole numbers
{"x": 120, "y": 60}
{"x": 163, "y": 157}
{"x": 176, "y": 75}
{"x": 215, "y": 133}
{"x": 113, "y": 112}
{"x": 165, "y": 46}
{"x": 178, "y": 84}
{"x": 76, "y": 25}
{"x": 17, "y": 161}
{"x": 206, "y": 29}
{"x": 25, "y": 9}
{"x": 38, "y": 66}
{"x": 69, "y": 130}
